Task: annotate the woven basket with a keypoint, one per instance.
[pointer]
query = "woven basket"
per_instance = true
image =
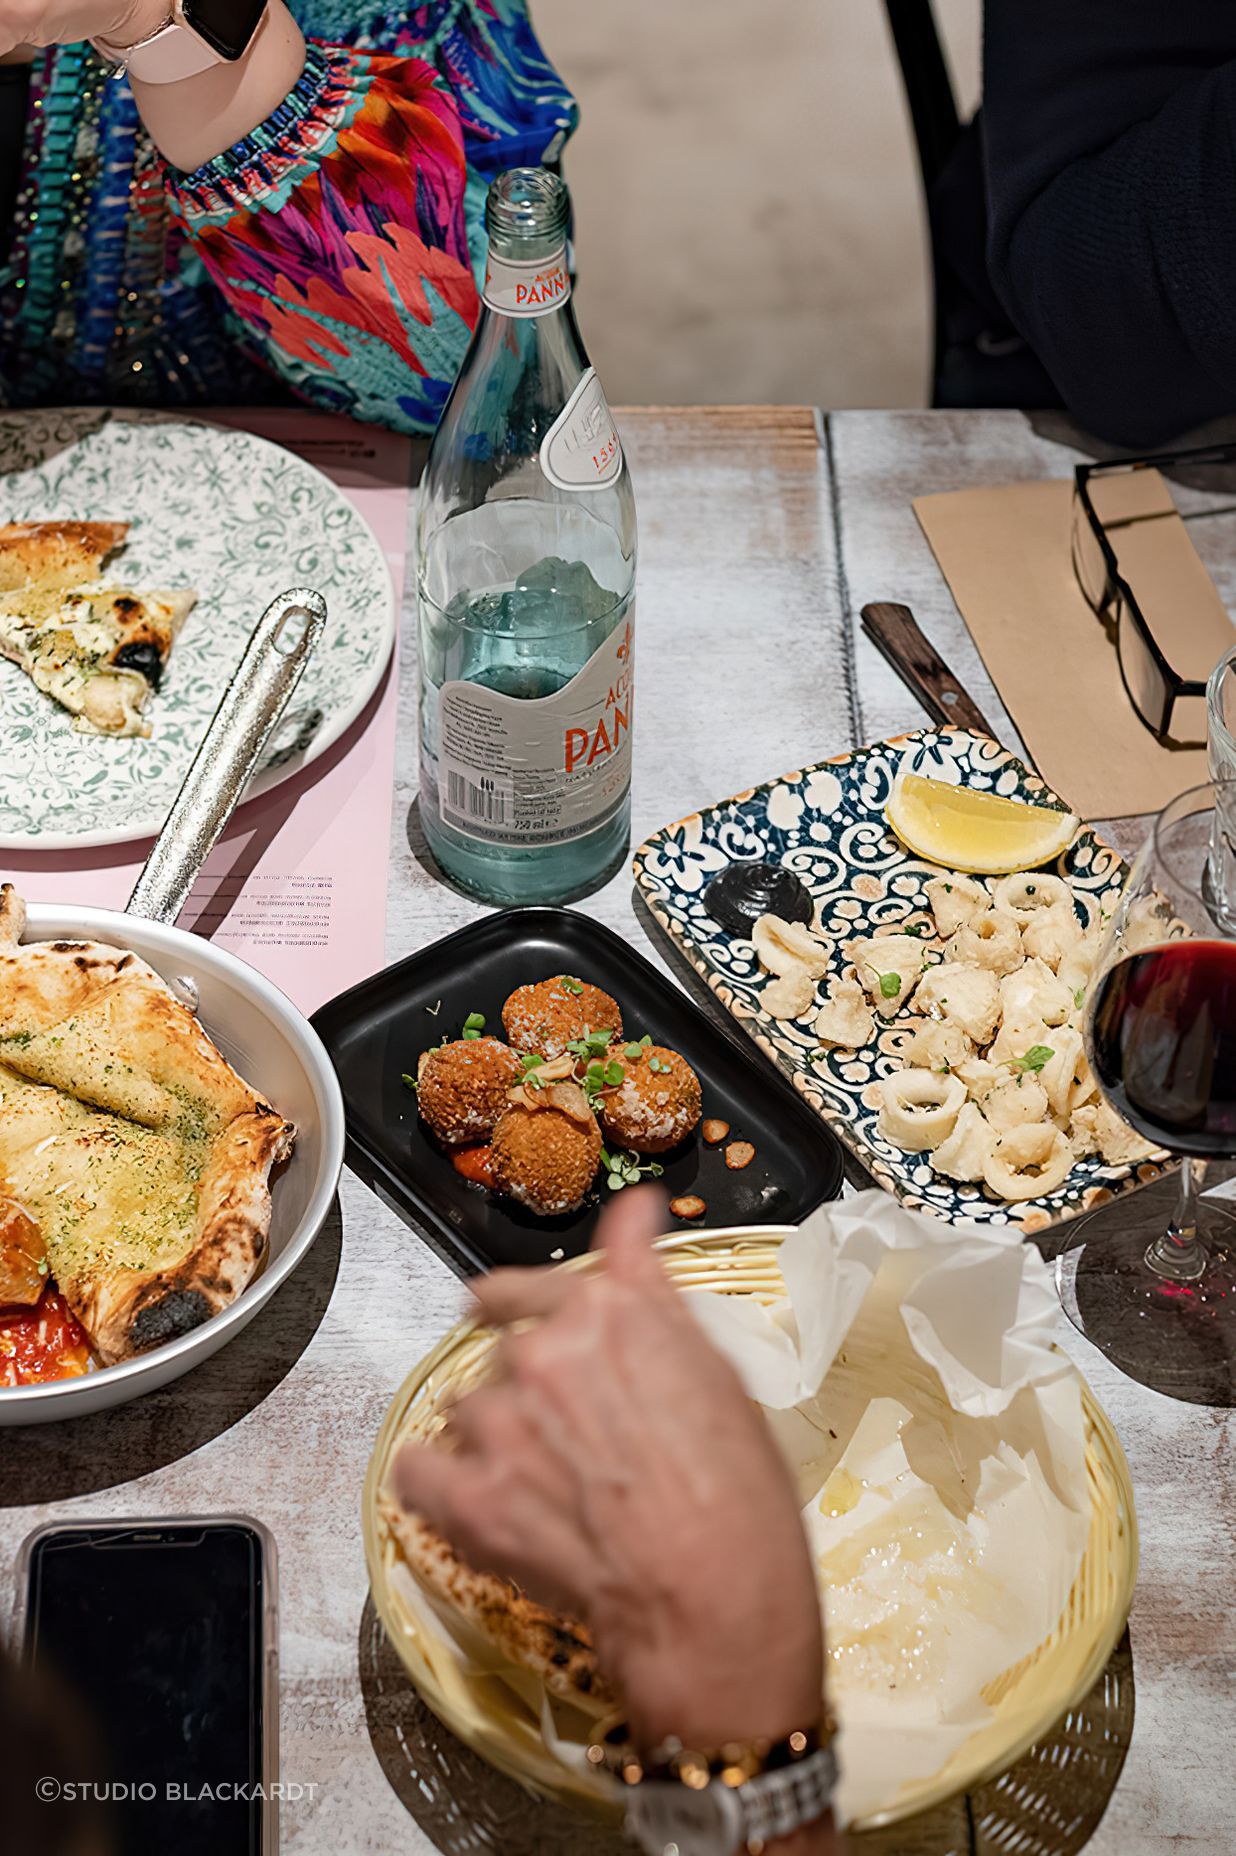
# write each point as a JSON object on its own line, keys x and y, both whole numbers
{"x": 1026, "y": 1700}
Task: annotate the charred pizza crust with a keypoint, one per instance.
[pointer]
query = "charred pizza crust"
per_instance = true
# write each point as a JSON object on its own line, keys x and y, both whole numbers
{"x": 55, "y": 554}
{"x": 140, "y": 1153}
{"x": 557, "y": 1649}
{"x": 97, "y": 649}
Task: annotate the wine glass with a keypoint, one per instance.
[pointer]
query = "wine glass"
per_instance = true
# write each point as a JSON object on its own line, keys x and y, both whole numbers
{"x": 1153, "y": 1287}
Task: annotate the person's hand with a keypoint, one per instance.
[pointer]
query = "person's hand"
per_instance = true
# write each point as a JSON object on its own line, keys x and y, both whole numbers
{"x": 65, "y": 22}
{"x": 616, "y": 1470}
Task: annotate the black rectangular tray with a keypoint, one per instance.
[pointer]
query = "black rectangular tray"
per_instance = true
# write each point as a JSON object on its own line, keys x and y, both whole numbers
{"x": 376, "y": 1032}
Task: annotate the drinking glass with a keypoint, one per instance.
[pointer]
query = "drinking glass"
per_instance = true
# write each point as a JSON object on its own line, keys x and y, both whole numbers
{"x": 1221, "y": 718}
{"x": 1153, "y": 1287}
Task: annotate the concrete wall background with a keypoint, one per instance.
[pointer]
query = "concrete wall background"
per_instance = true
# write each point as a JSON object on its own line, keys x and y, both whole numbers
{"x": 747, "y": 198}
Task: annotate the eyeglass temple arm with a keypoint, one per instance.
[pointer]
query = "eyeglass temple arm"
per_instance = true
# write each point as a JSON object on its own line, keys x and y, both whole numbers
{"x": 1199, "y": 454}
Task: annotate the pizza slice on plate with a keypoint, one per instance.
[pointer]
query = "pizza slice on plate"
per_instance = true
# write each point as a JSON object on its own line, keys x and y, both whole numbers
{"x": 98, "y": 649}
{"x": 55, "y": 553}
{"x": 136, "y": 1150}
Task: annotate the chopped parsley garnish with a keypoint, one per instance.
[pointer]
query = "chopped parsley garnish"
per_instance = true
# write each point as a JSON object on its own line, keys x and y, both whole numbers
{"x": 636, "y": 1051}
{"x": 595, "y": 1044}
{"x": 626, "y": 1170}
{"x": 1079, "y": 997}
{"x": 599, "y": 1076}
{"x": 409, "y": 1082}
{"x": 1035, "y": 1058}
{"x": 572, "y": 985}
{"x": 890, "y": 985}
{"x": 474, "y": 1024}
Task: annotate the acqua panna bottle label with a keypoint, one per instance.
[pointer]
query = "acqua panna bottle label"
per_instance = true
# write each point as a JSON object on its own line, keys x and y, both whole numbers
{"x": 523, "y": 287}
{"x": 541, "y": 770}
{"x": 582, "y": 449}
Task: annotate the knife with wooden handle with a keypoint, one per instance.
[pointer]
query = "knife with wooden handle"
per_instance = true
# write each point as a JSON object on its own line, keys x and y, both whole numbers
{"x": 895, "y": 633}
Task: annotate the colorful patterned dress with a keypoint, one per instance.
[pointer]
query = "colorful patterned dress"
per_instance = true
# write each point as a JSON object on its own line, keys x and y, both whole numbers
{"x": 330, "y": 256}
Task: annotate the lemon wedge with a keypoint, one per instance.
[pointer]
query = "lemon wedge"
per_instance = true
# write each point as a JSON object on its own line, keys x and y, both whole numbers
{"x": 981, "y": 832}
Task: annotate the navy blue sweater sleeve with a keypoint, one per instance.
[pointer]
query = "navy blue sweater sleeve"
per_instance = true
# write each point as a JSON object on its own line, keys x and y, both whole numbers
{"x": 1110, "y": 148}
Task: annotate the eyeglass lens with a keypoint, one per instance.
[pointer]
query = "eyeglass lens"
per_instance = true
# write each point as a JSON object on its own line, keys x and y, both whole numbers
{"x": 1143, "y": 679}
{"x": 1089, "y": 562}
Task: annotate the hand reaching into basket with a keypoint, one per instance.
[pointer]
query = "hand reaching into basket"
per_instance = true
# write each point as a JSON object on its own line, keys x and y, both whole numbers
{"x": 615, "y": 1468}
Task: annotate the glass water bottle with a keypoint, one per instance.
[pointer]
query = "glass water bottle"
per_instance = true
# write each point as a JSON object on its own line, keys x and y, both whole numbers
{"x": 525, "y": 584}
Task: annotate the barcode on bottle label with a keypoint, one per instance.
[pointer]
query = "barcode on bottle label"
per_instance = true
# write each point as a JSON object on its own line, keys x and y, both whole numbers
{"x": 478, "y": 800}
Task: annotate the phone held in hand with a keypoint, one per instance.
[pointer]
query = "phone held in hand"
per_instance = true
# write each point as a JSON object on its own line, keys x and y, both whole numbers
{"x": 160, "y": 1639}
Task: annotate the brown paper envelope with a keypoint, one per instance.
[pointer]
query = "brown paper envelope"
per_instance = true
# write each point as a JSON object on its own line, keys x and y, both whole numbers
{"x": 1007, "y": 558}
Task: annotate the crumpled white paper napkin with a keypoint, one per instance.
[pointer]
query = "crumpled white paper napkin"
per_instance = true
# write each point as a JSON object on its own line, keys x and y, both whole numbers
{"x": 938, "y": 1441}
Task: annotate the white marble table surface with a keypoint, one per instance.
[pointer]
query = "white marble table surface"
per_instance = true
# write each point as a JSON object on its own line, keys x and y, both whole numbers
{"x": 762, "y": 532}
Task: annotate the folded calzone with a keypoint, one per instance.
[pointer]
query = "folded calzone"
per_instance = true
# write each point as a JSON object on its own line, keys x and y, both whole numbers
{"x": 141, "y": 1155}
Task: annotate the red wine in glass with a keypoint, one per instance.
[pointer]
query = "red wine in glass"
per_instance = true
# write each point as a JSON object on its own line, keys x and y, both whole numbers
{"x": 1153, "y": 1285}
{"x": 1163, "y": 1044}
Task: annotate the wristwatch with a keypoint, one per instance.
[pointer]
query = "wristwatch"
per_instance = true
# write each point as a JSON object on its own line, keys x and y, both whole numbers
{"x": 740, "y": 1798}
{"x": 196, "y": 35}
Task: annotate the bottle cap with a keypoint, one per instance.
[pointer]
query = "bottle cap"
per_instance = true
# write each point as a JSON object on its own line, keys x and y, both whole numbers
{"x": 526, "y": 213}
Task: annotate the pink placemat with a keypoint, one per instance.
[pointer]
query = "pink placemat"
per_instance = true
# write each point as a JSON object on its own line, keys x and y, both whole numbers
{"x": 297, "y": 884}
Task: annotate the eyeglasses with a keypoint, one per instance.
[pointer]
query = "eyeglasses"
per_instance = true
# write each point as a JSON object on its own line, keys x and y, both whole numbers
{"x": 1151, "y": 684}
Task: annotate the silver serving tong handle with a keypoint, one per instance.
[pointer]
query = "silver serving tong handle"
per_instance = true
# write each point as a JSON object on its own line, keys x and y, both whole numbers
{"x": 283, "y": 640}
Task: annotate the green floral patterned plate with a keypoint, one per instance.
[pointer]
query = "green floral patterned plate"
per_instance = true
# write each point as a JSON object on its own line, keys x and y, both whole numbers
{"x": 235, "y": 517}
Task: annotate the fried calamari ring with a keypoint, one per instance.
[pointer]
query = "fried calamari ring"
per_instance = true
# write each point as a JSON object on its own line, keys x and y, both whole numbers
{"x": 790, "y": 995}
{"x": 1028, "y": 1162}
{"x": 1014, "y": 1102}
{"x": 991, "y": 940}
{"x": 936, "y": 1044}
{"x": 789, "y": 948}
{"x": 1052, "y": 934}
{"x": 954, "y": 900}
{"x": 1034, "y": 995}
{"x": 1066, "y": 1075}
{"x": 965, "y": 1153}
{"x": 919, "y": 1109}
{"x": 1028, "y": 893}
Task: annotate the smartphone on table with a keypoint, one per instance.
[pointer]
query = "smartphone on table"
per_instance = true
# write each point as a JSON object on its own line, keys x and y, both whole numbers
{"x": 162, "y": 1636}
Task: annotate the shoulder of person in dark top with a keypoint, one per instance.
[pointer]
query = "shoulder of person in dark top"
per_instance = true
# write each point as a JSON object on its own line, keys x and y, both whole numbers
{"x": 981, "y": 359}
{"x": 1110, "y": 158}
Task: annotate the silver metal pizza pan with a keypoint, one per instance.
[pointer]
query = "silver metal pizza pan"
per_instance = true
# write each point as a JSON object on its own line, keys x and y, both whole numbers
{"x": 258, "y": 1030}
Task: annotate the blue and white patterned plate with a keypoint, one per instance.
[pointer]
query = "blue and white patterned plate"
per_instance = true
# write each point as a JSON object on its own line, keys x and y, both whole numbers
{"x": 826, "y": 824}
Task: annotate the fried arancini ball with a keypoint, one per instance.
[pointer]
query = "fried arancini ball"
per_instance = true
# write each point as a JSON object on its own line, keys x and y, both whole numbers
{"x": 547, "y": 1157}
{"x": 551, "y": 1014}
{"x": 463, "y": 1087}
{"x": 656, "y": 1105}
